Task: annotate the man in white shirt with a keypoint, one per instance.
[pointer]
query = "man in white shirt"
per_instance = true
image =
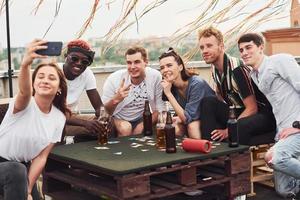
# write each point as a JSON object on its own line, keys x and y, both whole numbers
{"x": 278, "y": 77}
{"x": 79, "y": 79}
{"x": 125, "y": 92}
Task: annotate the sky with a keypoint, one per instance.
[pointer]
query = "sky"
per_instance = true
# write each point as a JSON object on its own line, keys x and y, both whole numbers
{"x": 163, "y": 21}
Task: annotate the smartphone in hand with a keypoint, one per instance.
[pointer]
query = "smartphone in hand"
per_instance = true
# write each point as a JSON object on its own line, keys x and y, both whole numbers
{"x": 54, "y": 49}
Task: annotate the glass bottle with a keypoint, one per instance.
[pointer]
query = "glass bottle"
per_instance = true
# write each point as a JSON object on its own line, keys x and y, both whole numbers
{"x": 233, "y": 137}
{"x": 147, "y": 120}
{"x": 170, "y": 135}
{"x": 104, "y": 120}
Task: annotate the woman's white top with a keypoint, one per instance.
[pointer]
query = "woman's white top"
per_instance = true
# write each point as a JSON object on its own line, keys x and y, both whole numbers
{"x": 25, "y": 134}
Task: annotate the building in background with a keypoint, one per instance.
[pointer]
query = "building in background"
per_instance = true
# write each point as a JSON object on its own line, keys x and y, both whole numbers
{"x": 285, "y": 40}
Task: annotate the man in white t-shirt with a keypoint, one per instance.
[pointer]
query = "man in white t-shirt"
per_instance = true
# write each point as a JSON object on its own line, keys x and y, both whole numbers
{"x": 125, "y": 92}
{"x": 79, "y": 79}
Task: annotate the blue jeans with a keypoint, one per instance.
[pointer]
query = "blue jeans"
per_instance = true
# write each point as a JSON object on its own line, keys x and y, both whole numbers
{"x": 286, "y": 164}
{"x": 13, "y": 180}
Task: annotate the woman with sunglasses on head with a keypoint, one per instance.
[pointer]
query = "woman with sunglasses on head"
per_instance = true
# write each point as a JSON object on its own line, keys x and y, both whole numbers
{"x": 184, "y": 90}
{"x": 79, "y": 79}
{"x": 33, "y": 123}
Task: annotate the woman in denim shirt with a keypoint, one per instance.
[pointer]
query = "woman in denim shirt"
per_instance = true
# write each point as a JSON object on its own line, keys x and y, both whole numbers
{"x": 184, "y": 90}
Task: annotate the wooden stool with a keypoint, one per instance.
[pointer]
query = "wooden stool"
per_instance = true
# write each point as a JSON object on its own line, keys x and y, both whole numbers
{"x": 260, "y": 172}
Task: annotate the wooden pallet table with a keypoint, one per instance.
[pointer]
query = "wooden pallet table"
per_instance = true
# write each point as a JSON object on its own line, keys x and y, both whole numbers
{"x": 124, "y": 171}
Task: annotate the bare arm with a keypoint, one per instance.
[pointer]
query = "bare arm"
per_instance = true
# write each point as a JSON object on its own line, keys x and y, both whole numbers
{"x": 25, "y": 83}
{"x": 154, "y": 117}
{"x": 37, "y": 166}
{"x": 111, "y": 105}
{"x": 95, "y": 100}
{"x": 178, "y": 109}
{"x": 93, "y": 126}
{"x": 250, "y": 107}
{"x": 121, "y": 94}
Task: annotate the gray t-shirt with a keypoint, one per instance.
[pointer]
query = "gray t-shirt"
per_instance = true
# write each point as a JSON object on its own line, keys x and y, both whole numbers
{"x": 134, "y": 110}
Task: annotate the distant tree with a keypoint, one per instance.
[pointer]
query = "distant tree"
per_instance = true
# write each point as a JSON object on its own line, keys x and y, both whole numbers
{"x": 16, "y": 63}
{"x": 3, "y": 55}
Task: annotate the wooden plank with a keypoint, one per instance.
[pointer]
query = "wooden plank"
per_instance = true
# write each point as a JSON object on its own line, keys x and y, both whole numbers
{"x": 71, "y": 194}
{"x": 167, "y": 169}
{"x": 165, "y": 184}
{"x": 93, "y": 186}
{"x": 157, "y": 189}
{"x": 128, "y": 187}
{"x": 238, "y": 163}
{"x": 239, "y": 184}
{"x": 187, "y": 176}
{"x": 258, "y": 162}
{"x": 262, "y": 177}
{"x": 265, "y": 169}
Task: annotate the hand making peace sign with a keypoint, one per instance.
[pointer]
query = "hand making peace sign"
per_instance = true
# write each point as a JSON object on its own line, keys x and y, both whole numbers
{"x": 122, "y": 92}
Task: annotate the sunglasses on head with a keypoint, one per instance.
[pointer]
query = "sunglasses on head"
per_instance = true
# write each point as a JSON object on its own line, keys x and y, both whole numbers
{"x": 75, "y": 59}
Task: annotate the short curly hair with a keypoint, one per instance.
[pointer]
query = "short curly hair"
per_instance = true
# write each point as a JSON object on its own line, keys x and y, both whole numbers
{"x": 211, "y": 31}
{"x": 79, "y": 43}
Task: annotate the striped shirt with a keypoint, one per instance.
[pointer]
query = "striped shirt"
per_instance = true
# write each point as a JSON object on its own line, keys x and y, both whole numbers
{"x": 234, "y": 84}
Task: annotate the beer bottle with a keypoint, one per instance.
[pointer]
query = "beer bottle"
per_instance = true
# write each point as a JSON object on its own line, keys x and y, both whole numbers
{"x": 170, "y": 135}
{"x": 233, "y": 137}
{"x": 147, "y": 120}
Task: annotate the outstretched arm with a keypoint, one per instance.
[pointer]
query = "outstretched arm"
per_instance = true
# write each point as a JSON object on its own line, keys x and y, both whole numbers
{"x": 25, "y": 83}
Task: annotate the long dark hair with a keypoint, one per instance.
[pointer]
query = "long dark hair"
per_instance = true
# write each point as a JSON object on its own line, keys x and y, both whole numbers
{"x": 185, "y": 73}
{"x": 59, "y": 100}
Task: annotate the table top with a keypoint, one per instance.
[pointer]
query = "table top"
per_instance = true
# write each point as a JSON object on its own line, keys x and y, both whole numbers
{"x": 131, "y": 154}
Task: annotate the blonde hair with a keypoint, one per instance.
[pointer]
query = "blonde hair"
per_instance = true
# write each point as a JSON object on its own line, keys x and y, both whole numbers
{"x": 211, "y": 31}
